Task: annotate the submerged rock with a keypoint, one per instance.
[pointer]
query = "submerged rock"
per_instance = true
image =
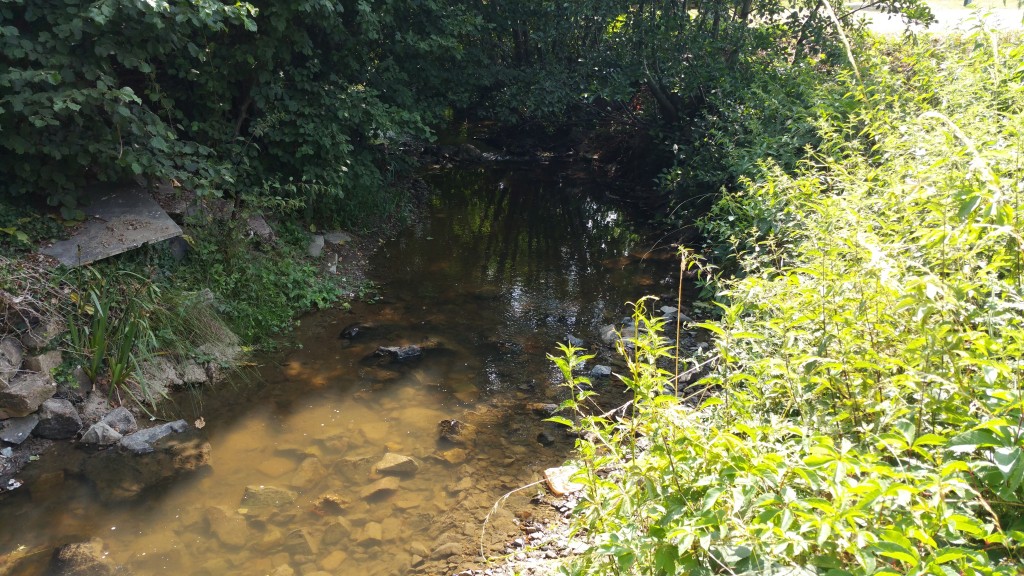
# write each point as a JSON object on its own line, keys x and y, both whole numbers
{"x": 542, "y": 409}
{"x": 122, "y": 475}
{"x": 330, "y": 504}
{"x": 266, "y": 499}
{"x": 309, "y": 473}
{"x": 229, "y": 527}
{"x": 456, "y": 432}
{"x": 601, "y": 371}
{"x": 83, "y": 559}
{"x": 353, "y": 330}
{"x": 398, "y": 464}
{"x": 400, "y": 353}
{"x": 380, "y": 488}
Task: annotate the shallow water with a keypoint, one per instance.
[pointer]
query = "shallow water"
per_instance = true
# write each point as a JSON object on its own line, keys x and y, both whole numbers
{"x": 509, "y": 260}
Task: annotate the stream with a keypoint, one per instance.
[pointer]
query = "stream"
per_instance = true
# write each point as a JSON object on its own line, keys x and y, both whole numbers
{"x": 509, "y": 259}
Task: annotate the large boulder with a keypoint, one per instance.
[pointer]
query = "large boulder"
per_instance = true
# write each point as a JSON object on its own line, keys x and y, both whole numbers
{"x": 58, "y": 420}
{"x": 111, "y": 428}
{"x": 142, "y": 442}
{"x": 25, "y": 393}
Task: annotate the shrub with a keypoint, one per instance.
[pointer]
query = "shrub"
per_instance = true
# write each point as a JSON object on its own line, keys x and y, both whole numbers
{"x": 864, "y": 412}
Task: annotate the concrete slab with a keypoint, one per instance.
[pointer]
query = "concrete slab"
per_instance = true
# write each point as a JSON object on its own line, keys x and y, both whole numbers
{"x": 116, "y": 221}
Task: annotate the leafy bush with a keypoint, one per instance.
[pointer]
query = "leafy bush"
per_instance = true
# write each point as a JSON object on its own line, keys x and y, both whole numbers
{"x": 863, "y": 413}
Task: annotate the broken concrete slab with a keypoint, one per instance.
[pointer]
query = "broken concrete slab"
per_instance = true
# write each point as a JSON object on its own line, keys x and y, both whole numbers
{"x": 116, "y": 221}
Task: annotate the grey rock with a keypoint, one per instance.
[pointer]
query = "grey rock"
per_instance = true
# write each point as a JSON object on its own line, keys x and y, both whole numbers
{"x": 81, "y": 378}
{"x": 601, "y": 371}
{"x": 608, "y": 334}
{"x": 25, "y": 393}
{"x": 178, "y": 247}
{"x": 94, "y": 407}
{"x": 141, "y": 442}
{"x": 159, "y": 375}
{"x": 43, "y": 363}
{"x": 11, "y": 354}
{"x": 316, "y": 246}
{"x": 574, "y": 341}
{"x": 101, "y": 434}
{"x": 58, "y": 420}
{"x": 337, "y": 238}
{"x": 121, "y": 420}
{"x": 259, "y": 229}
{"x": 17, "y": 430}
{"x": 398, "y": 464}
{"x": 43, "y": 333}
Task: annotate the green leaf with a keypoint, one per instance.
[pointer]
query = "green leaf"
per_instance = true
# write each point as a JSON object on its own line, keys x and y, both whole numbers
{"x": 561, "y": 420}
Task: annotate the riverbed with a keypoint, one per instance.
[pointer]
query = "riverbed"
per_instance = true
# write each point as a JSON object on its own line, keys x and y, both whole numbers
{"x": 508, "y": 260}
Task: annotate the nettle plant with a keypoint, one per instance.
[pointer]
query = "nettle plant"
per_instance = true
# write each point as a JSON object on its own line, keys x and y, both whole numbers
{"x": 864, "y": 410}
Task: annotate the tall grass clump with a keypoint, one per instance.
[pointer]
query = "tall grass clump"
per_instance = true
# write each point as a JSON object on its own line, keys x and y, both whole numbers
{"x": 863, "y": 413}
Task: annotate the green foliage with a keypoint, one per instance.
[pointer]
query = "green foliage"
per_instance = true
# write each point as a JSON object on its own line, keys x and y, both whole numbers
{"x": 862, "y": 413}
{"x": 258, "y": 293}
{"x": 303, "y": 100}
{"x": 21, "y": 228}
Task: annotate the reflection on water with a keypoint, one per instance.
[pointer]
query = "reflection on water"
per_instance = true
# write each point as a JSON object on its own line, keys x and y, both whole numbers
{"x": 508, "y": 261}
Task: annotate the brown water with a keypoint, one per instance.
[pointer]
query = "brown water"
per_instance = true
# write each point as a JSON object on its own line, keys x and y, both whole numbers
{"x": 509, "y": 261}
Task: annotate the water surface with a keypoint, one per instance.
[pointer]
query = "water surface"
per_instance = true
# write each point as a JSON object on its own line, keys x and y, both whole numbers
{"x": 508, "y": 260}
